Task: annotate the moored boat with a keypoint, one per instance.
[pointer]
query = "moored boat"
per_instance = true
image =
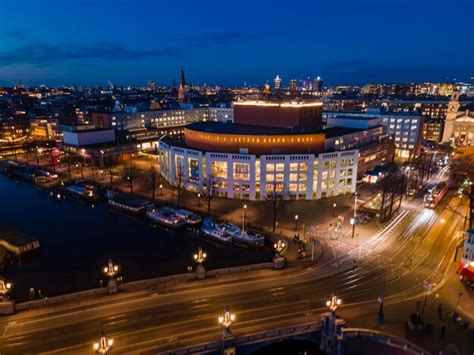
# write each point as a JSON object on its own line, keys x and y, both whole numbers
{"x": 244, "y": 238}
{"x": 215, "y": 231}
{"x": 190, "y": 217}
{"x": 82, "y": 191}
{"x": 165, "y": 216}
{"x": 129, "y": 203}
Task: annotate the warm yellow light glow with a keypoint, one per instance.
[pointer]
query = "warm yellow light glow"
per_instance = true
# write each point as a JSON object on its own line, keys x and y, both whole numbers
{"x": 293, "y": 104}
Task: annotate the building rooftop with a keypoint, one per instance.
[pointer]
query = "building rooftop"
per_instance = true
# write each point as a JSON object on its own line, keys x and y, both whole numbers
{"x": 332, "y": 132}
{"x": 294, "y": 104}
{"x": 238, "y": 128}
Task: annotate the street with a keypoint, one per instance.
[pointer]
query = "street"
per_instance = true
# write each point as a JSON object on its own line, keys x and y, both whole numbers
{"x": 421, "y": 248}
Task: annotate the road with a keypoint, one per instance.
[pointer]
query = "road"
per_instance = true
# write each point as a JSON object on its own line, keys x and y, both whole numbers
{"x": 417, "y": 249}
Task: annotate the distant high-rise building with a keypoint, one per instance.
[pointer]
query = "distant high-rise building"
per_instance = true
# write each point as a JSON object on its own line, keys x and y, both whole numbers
{"x": 277, "y": 81}
{"x": 293, "y": 85}
{"x": 182, "y": 87}
{"x": 318, "y": 84}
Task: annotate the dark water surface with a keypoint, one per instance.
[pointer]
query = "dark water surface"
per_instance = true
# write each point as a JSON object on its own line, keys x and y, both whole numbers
{"x": 77, "y": 240}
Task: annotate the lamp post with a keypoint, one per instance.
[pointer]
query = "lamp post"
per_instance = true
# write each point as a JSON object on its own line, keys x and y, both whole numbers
{"x": 244, "y": 215}
{"x": 296, "y": 222}
{"x": 104, "y": 345}
{"x": 161, "y": 189}
{"x": 5, "y": 287}
{"x": 334, "y": 209}
{"x": 226, "y": 321}
{"x": 199, "y": 200}
{"x": 333, "y": 303}
{"x": 353, "y": 219}
{"x": 279, "y": 246}
{"x": 200, "y": 256}
{"x": 111, "y": 269}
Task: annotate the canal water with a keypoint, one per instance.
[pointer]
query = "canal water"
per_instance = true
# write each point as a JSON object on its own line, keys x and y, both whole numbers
{"x": 77, "y": 240}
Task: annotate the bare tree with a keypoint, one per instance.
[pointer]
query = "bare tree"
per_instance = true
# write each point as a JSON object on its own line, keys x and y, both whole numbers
{"x": 153, "y": 177}
{"x": 208, "y": 191}
{"x": 129, "y": 174}
{"x": 277, "y": 198}
{"x": 180, "y": 186}
{"x": 112, "y": 171}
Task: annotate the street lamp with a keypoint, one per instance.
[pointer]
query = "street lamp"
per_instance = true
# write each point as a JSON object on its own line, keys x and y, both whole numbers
{"x": 200, "y": 256}
{"x": 296, "y": 222}
{"x": 199, "y": 200}
{"x": 353, "y": 220}
{"x": 333, "y": 303}
{"x": 226, "y": 321}
{"x": 111, "y": 268}
{"x": 243, "y": 216}
{"x": 5, "y": 287}
{"x": 161, "y": 190}
{"x": 334, "y": 209}
{"x": 279, "y": 246}
{"x": 104, "y": 345}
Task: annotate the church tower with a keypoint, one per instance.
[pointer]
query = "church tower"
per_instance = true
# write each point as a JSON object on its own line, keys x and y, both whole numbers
{"x": 182, "y": 87}
{"x": 453, "y": 108}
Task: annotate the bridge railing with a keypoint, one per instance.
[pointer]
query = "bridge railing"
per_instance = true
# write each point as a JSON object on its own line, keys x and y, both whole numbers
{"x": 385, "y": 338}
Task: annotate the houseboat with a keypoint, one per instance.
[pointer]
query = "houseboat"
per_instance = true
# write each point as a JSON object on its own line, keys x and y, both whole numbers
{"x": 166, "y": 217}
{"x": 129, "y": 203}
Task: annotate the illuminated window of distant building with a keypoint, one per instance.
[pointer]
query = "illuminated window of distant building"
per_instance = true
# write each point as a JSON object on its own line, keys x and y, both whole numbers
{"x": 293, "y": 166}
{"x": 324, "y": 175}
{"x": 293, "y": 177}
{"x": 303, "y": 166}
{"x": 270, "y": 167}
{"x": 293, "y": 187}
{"x": 279, "y": 177}
{"x": 241, "y": 171}
{"x": 270, "y": 177}
{"x": 219, "y": 169}
{"x": 280, "y": 167}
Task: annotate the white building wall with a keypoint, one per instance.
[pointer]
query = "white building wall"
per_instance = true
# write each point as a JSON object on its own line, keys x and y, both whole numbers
{"x": 295, "y": 174}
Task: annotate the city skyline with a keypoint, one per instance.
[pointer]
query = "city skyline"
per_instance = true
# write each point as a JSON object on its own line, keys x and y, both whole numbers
{"x": 229, "y": 44}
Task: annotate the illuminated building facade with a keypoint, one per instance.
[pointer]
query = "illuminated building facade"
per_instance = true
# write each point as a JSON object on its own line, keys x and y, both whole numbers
{"x": 256, "y": 161}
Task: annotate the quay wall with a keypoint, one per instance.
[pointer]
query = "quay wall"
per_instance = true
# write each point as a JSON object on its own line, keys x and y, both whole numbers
{"x": 140, "y": 285}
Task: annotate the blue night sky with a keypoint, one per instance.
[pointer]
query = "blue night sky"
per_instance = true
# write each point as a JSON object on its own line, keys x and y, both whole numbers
{"x": 90, "y": 42}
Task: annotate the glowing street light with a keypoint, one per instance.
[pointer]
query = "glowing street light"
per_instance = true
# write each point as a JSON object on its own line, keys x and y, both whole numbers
{"x": 244, "y": 215}
{"x": 161, "y": 189}
{"x": 279, "y": 246}
{"x": 333, "y": 303}
{"x": 296, "y": 222}
{"x": 5, "y": 287}
{"x": 104, "y": 345}
{"x": 111, "y": 268}
{"x": 200, "y": 256}
{"x": 226, "y": 321}
{"x": 334, "y": 209}
{"x": 199, "y": 200}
